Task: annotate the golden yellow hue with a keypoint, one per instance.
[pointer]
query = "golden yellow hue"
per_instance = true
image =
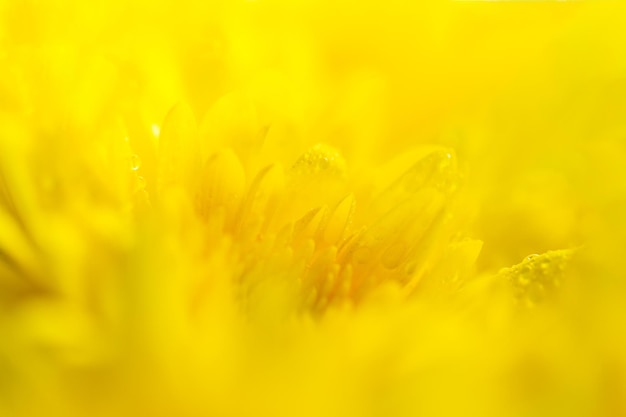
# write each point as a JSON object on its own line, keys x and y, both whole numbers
{"x": 312, "y": 208}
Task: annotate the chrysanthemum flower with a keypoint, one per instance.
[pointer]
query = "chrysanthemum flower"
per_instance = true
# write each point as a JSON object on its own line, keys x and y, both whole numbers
{"x": 311, "y": 209}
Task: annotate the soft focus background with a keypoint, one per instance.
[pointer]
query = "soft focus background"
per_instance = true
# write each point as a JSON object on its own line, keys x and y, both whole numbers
{"x": 531, "y": 96}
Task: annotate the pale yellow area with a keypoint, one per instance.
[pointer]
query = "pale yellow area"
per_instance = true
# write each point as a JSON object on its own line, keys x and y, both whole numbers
{"x": 312, "y": 208}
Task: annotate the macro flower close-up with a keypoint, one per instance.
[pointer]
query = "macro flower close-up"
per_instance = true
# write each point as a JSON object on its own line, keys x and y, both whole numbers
{"x": 312, "y": 208}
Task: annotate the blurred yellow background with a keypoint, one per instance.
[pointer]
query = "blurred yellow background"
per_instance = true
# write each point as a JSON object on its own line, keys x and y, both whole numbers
{"x": 129, "y": 231}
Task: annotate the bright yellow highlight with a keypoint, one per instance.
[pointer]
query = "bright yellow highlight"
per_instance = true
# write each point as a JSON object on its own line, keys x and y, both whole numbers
{"x": 312, "y": 208}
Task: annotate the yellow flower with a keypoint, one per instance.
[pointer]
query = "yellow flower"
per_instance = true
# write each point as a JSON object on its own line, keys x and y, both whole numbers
{"x": 311, "y": 208}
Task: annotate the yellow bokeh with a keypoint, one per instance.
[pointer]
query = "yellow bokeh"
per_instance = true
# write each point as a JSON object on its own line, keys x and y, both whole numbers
{"x": 312, "y": 208}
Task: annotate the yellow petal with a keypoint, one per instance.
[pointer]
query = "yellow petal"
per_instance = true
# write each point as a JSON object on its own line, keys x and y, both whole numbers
{"x": 221, "y": 184}
{"x": 179, "y": 158}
